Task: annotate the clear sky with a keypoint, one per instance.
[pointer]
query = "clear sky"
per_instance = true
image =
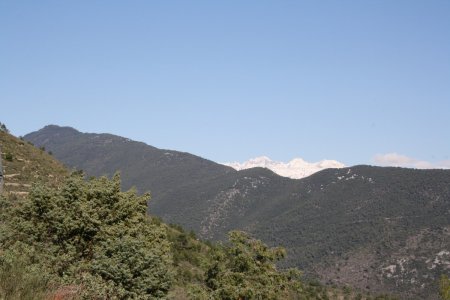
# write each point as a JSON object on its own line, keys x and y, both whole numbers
{"x": 356, "y": 81}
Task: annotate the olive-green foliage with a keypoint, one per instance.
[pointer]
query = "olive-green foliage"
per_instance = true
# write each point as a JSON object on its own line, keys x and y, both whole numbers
{"x": 91, "y": 234}
{"x": 20, "y": 279}
{"x": 3, "y": 127}
{"x": 191, "y": 259}
{"x": 8, "y": 156}
{"x": 445, "y": 287}
{"x": 245, "y": 269}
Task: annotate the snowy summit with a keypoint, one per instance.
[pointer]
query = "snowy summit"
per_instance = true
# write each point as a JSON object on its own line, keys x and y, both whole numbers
{"x": 296, "y": 168}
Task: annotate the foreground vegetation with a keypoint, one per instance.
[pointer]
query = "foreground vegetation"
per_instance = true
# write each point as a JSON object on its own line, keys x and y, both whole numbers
{"x": 88, "y": 235}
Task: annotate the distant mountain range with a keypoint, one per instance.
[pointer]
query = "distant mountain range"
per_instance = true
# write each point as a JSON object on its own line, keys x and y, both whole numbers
{"x": 297, "y": 168}
{"x": 378, "y": 229}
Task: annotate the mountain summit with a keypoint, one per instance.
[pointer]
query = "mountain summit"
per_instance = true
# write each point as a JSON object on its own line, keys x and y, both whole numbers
{"x": 296, "y": 168}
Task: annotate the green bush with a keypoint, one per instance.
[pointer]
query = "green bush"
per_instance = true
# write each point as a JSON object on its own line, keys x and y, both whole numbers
{"x": 8, "y": 156}
{"x": 91, "y": 234}
{"x": 21, "y": 279}
{"x": 3, "y": 128}
{"x": 246, "y": 270}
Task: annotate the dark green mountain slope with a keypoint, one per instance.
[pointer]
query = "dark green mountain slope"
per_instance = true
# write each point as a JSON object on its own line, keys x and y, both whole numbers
{"x": 375, "y": 228}
{"x": 379, "y": 229}
{"x": 146, "y": 167}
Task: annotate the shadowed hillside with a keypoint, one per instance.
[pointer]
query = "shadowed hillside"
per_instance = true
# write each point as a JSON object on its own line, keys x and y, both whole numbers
{"x": 146, "y": 167}
{"x": 375, "y": 228}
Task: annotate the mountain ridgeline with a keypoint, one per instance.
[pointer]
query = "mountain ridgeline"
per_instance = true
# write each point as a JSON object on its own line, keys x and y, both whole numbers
{"x": 377, "y": 229}
{"x": 145, "y": 167}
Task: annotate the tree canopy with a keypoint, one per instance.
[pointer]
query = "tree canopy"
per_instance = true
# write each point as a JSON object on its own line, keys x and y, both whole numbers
{"x": 246, "y": 270}
{"x": 90, "y": 234}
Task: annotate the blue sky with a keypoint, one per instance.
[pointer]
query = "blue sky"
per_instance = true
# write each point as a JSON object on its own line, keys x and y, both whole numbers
{"x": 231, "y": 80}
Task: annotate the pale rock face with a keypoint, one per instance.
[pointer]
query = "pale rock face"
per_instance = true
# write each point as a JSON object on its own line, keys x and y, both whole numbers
{"x": 296, "y": 168}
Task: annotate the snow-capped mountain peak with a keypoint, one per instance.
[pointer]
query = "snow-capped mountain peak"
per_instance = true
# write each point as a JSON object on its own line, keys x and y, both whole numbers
{"x": 296, "y": 168}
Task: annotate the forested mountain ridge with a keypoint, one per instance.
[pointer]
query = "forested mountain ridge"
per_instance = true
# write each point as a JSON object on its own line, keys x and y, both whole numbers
{"x": 380, "y": 229}
{"x": 143, "y": 166}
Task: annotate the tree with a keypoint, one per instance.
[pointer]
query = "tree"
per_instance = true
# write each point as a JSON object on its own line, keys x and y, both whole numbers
{"x": 3, "y": 128}
{"x": 8, "y": 156}
{"x": 246, "y": 270}
{"x": 91, "y": 234}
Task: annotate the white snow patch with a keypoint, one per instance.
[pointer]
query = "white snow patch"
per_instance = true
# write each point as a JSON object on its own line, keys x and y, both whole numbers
{"x": 296, "y": 168}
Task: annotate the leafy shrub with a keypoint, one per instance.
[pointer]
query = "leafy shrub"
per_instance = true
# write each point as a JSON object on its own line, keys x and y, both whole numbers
{"x": 246, "y": 270}
{"x": 3, "y": 128}
{"x": 91, "y": 234}
{"x": 20, "y": 278}
{"x": 8, "y": 156}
